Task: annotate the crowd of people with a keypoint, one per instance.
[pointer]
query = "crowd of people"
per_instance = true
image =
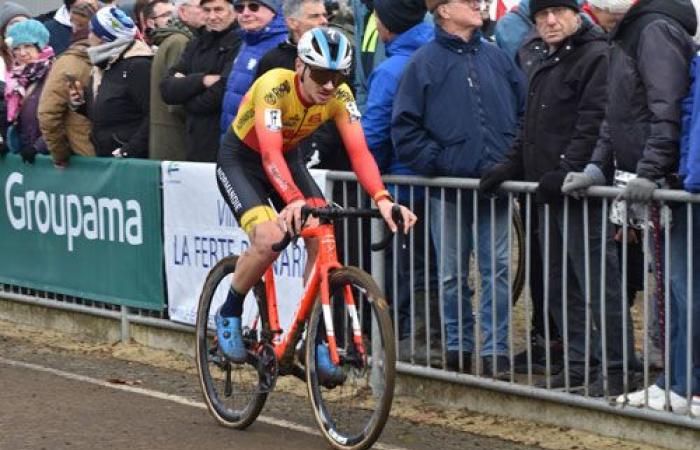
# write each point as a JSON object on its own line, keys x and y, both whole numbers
{"x": 560, "y": 92}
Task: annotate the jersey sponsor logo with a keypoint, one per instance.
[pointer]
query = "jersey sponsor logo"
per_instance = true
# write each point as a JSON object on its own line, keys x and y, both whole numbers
{"x": 273, "y": 119}
{"x": 279, "y": 179}
{"x": 277, "y": 92}
{"x": 270, "y": 98}
{"x": 291, "y": 122}
{"x": 316, "y": 118}
{"x": 343, "y": 96}
{"x": 354, "y": 112}
{"x": 244, "y": 119}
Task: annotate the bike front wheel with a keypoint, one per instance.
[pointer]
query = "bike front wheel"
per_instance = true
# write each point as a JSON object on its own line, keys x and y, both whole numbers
{"x": 353, "y": 413}
{"x": 234, "y": 393}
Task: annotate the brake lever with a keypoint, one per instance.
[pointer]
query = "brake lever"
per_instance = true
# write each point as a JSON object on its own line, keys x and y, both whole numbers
{"x": 277, "y": 247}
{"x": 386, "y": 241}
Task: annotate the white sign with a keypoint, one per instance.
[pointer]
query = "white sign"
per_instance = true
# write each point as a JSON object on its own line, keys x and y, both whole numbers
{"x": 199, "y": 229}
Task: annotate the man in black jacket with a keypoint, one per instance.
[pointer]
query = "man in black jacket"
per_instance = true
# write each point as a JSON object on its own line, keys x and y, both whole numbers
{"x": 198, "y": 80}
{"x": 300, "y": 16}
{"x": 649, "y": 77}
{"x": 567, "y": 66}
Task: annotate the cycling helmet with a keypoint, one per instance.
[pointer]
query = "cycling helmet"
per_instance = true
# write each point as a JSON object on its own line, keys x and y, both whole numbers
{"x": 325, "y": 48}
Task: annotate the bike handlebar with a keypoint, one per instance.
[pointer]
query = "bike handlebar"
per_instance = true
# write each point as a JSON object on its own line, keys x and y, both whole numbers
{"x": 332, "y": 213}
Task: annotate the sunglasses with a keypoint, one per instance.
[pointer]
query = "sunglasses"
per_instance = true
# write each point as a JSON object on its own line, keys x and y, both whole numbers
{"x": 252, "y": 7}
{"x": 323, "y": 76}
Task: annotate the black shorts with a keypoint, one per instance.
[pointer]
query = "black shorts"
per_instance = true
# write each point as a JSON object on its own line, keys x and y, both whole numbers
{"x": 244, "y": 185}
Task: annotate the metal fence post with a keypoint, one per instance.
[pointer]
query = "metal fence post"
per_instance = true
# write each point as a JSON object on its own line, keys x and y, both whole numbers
{"x": 125, "y": 324}
{"x": 376, "y": 233}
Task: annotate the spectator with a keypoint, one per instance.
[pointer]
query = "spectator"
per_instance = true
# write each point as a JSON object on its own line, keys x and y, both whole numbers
{"x": 340, "y": 16}
{"x": 198, "y": 80}
{"x": 65, "y": 131}
{"x": 263, "y": 29}
{"x": 648, "y": 78}
{"x": 80, "y": 14}
{"x": 191, "y": 14}
{"x": 117, "y": 95}
{"x": 33, "y": 57}
{"x": 369, "y": 49}
{"x": 300, "y": 16}
{"x": 488, "y": 28}
{"x": 402, "y": 30}
{"x": 696, "y": 5}
{"x": 513, "y": 27}
{"x": 607, "y": 13}
{"x": 557, "y": 136}
{"x": 138, "y": 16}
{"x": 169, "y": 37}
{"x": 10, "y": 13}
{"x": 444, "y": 126}
{"x": 60, "y": 27}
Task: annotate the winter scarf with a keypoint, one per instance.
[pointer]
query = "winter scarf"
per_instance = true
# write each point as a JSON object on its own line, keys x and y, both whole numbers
{"x": 104, "y": 54}
{"x": 22, "y": 77}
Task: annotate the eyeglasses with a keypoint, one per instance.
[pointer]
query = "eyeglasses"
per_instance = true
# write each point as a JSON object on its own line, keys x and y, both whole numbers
{"x": 252, "y": 7}
{"x": 323, "y": 76}
{"x": 473, "y": 3}
{"x": 161, "y": 16}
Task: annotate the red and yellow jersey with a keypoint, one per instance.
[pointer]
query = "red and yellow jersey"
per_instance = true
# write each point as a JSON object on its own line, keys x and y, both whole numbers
{"x": 273, "y": 118}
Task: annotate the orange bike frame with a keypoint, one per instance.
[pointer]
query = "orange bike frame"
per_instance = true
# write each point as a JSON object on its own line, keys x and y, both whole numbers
{"x": 326, "y": 261}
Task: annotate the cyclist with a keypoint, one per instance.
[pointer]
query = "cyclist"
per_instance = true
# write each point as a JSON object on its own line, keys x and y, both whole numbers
{"x": 259, "y": 163}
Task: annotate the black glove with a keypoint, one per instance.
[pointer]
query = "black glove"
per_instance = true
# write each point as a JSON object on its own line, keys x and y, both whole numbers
{"x": 28, "y": 154}
{"x": 492, "y": 179}
{"x": 3, "y": 149}
{"x": 549, "y": 189}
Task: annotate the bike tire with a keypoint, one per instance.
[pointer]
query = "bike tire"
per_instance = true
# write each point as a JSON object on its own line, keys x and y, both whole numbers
{"x": 353, "y": 435}
{"x": 238, "y": 418}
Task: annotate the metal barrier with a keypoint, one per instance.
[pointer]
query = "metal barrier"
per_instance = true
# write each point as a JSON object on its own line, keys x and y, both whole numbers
{"x": 595, "y": 362}
{"x": 420, "y": 275}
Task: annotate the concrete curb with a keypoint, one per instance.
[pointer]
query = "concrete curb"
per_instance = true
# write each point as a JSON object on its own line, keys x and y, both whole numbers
{"x": 106, "y": 327}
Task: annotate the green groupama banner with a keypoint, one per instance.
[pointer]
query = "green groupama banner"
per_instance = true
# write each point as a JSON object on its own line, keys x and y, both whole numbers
{"x": 91, "y": 230}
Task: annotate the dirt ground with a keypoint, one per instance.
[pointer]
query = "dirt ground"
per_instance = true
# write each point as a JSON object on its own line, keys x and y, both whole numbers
{"x": 411, "y": 409}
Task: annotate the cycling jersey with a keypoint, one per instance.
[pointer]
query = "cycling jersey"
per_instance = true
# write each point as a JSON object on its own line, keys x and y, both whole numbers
{"x": 273, "y": 118}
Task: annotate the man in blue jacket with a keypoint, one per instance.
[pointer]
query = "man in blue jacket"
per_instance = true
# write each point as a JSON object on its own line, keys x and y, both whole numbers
{"x": 401, "y": 27}
{"x": 455, "y": 114}
{"x": 263, "y": 29}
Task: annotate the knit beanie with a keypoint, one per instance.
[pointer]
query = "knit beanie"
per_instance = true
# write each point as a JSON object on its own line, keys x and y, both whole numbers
{"x": 9, "y": 10}
{"x": 111, "y": 23}
{"x": 27, "y": 32}
{"x": 400, "y": 15}
{"x": 274, "y": 5}
{"x": 613, "y": 6}
{"x": 538, "y": 5}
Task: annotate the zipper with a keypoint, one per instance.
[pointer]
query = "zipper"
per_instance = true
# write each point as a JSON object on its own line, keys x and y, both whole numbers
{"x": 301, "y": 122}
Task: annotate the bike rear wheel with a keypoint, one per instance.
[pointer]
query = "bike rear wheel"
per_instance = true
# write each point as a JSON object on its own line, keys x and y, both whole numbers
{"x": 352, "y": 415}
{"x": 233, "y": 392}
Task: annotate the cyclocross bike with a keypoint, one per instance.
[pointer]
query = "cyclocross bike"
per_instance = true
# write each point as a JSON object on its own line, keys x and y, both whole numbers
{"x": 342, "y": 307}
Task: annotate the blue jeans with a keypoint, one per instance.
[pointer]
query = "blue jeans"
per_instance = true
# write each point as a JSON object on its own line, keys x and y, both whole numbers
{"x": 444, "y": 237}
{"x": 679, "y": 302}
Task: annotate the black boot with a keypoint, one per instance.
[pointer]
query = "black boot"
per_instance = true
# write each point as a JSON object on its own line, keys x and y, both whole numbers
{"x": 453, "y": 361}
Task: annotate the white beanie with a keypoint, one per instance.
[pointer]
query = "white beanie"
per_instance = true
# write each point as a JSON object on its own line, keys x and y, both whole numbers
{"x": 613, "y": 6}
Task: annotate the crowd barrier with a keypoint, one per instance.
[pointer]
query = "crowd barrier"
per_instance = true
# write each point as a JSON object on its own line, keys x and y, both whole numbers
{"x": 143, "y": 234}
